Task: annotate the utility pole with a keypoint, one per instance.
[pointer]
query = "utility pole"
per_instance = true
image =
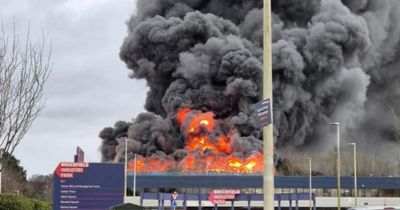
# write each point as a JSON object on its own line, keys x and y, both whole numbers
{"x": 268, "y": 150}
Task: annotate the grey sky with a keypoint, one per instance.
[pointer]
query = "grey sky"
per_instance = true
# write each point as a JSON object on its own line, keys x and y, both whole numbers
{"x": 89, "y": 87}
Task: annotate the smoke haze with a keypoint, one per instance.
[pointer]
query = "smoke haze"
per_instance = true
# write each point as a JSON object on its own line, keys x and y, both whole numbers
{"x": 333, "y": 61}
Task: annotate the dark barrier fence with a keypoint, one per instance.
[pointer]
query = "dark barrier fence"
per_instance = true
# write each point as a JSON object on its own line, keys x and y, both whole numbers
{"x": 185, "y": 197}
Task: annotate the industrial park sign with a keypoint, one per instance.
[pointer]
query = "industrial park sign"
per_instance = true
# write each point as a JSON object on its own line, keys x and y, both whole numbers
{"x": 88, "y": 186}
{"x": 218, "y": 197}
{"x": 263, "y": 113}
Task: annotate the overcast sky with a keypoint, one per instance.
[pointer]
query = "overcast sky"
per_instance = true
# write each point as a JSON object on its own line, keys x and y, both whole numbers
{"x": 89, "y": 87}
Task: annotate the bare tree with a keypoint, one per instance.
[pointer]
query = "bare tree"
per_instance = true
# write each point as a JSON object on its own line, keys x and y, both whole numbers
{"x": 24, "y": 69}
{"x": 294, "y": 165}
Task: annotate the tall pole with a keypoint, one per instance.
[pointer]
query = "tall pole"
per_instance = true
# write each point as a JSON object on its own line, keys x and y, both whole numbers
{"x": 338, "y": 163}
{"x": 1, "y": 166}
{"x": 268, "y": 150}
{"x": 310, "y": 181}
{"x": 134, "y": 175}
{"x": 355, "y": 171}
{"x": 125, "y": 169}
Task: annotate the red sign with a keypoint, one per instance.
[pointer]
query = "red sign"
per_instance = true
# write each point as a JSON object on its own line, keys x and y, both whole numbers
{"x": 228, "y": 192}
{"x": 67, "y": 170}
{"x": 224, "y": 197}
{"x": 217, "y": 197}
{"x": 215, "y": 201}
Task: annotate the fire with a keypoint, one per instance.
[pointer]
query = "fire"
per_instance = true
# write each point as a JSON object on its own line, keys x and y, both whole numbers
{"x": 182, "y": 113}
{"x": 201, "y": 144}
{"x": 200, "y": 164}
{"x": 203, "y": 120}
{"x": 250, "y": 165}
{"x": 151, "y": 164}
{"x": 208, "y": 150}
{"x": 235, "y": 164}
{"x": 224, "y": 145}
{"x": 190, "y": 164}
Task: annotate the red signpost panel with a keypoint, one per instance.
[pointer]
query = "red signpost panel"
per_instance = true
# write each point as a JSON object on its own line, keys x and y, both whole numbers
{"x": 218, "y": 197}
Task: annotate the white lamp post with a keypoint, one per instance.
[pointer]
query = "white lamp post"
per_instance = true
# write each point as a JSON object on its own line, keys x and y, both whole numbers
{"x": 310, "y": 181}
{"x": 125, "y": 168}
{"x": 338, "y": 162}
{"x": 134, "y": 175}
{"x": 355, "y": 171}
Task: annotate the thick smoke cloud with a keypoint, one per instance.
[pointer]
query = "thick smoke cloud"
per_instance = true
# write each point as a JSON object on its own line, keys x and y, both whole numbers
{"x": 332, "y": 61}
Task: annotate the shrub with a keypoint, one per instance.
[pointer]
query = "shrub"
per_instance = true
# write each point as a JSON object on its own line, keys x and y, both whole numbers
{"x": 41, "y": 205}
{"x": 16, "y": 202}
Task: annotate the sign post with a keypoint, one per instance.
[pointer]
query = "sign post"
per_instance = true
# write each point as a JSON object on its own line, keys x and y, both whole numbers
{"x": 173, "y": 203}
{"x": 174, "y": 196}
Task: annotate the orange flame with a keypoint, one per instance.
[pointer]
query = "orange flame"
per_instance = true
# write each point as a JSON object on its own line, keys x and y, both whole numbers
{"x": 151, "y": 164}
{"x": 203, "y": 120}
{"x": 200, "y": 137}
{"x": 200, "y": 164}
{"x": 182, "y": 113}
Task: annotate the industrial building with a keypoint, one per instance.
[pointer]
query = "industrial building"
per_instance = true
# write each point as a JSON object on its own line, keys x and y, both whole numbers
{"x": 154, "y": 190}
{"x": 101, "y": 185}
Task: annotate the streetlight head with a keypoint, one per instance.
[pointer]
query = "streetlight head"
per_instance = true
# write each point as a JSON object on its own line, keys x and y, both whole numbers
{"x": 352, "y": 144}
{"x": 334, "y": 123}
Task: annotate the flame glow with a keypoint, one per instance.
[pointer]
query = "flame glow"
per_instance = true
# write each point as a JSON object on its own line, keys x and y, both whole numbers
{"x": 206, "y": 152}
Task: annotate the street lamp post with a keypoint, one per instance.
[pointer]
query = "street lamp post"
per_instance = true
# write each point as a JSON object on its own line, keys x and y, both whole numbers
{"x": 310, "y": 181}
{"x": 268, "y": 148}
{"x": 338, "y": 163}
{"x": 125, "y": 168}
{"x": 134, "y": 175}
{"x": 355, "y": 171}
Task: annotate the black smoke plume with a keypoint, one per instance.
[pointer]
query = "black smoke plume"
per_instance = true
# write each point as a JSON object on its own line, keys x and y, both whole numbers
{"x": 333, "y": 61}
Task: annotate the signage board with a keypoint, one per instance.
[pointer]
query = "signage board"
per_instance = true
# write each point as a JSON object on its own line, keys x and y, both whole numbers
{"x": 263, "y": 112}
{"x": 218, "y": 197}
{"x": 88, "y": 186}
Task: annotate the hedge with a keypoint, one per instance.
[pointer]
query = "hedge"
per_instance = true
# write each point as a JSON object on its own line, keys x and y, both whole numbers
{"x": 16, "y": 202}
